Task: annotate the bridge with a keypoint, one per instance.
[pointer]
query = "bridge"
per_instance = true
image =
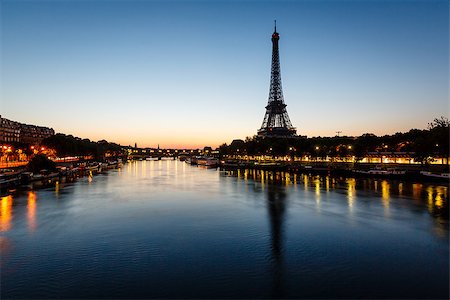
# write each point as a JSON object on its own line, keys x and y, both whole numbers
{"x": 143, "y": 153}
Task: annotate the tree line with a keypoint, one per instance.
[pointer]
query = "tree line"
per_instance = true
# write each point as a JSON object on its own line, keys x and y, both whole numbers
{"x": 68, "y": 145}
{"x": 422, "y": 145}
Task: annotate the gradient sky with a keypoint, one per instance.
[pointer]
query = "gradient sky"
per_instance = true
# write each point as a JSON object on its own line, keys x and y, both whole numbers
{"x": 196, "y": 73}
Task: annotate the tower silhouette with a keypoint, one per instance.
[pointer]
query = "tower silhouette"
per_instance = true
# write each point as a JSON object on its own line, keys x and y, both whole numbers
{"x": 276, "y": 120}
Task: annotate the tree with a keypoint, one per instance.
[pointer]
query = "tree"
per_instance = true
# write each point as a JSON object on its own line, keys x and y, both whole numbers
{"x": 40, "y": 162}
{"x": 439, "y": 134}
{"x": 363, "y": 144}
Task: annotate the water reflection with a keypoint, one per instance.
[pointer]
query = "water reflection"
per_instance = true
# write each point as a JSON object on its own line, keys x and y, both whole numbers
{"x": 193, "y": 232}
{"x": 385, "y": 196}
{"x": 317, "y": 184}
{"x": 31, "y": 214}
{"x": 276, "y": 206}
{"x": 6, "y": 213}
{"x": 351, "y": 193}
{"x": 57, "y": 187}
{"x": 433, "y": 197}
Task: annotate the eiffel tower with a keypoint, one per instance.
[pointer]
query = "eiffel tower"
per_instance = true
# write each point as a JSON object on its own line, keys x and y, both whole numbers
{"x": 276, "y": 120}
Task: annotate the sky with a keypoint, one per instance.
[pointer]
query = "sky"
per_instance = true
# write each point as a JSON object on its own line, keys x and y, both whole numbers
{"x": 188, "y": 74}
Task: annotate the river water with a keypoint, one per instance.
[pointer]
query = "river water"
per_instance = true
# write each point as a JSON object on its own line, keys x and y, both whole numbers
{"x": 165, "y": 229}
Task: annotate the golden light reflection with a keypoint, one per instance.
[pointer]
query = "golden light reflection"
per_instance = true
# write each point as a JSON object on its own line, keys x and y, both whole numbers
{"x": 317, "y": 186}
{"x": 31, "y": 214}
{"x": 430, "y": 198}
{"x": 287, "y": 178}
{"x": 305, "y": 182}
{"x": 6, "y": 213}
{"x": 400, "y": 188}
{"x": 327, "y": 183}
{"x": 262, "y": 179}
{"x": 436, "y": 197}
{"x": 438, "y": 201}
{"x": 417, "y": 189}
{"x": 57, "y": 188}
{"x": 317, "y": 192}
{"x": 441, "y": 192}
{"x": 351, "y": 192}
{"x": 385, "y": 194}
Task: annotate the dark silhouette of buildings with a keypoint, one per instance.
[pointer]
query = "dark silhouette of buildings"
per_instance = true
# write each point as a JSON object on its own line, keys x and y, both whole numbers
{"x": 15, "y": 132}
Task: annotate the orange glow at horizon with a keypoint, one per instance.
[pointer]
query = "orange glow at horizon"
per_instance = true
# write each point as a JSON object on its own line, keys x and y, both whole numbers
{"x": 213, "y": 136}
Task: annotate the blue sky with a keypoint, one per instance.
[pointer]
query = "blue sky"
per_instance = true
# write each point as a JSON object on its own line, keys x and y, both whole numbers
{"x": 196, "y": 73}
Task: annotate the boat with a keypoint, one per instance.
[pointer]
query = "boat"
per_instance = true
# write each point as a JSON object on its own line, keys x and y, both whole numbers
{"x": 435, "y": 175}
{"x": 381, "y": 171}
{"x": 191, "y": 160}
{"x": 229, "y": 164}
{"x": 9, "y": 179}
{"x": 207, "y": 161}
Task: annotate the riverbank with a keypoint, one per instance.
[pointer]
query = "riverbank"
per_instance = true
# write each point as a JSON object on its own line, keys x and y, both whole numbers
{"x": 19, "y": 178}
{"x": 392, "y": 171}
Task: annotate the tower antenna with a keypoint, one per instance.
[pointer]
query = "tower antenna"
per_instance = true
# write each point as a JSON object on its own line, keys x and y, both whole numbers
{"x": 275, "y": 25}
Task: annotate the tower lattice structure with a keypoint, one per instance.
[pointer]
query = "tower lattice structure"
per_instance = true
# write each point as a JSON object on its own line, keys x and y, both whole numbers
{"x": 276, "y": 120}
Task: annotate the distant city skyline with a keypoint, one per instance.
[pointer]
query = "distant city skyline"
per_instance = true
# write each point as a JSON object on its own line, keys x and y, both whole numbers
{"x": 188, "y": 74}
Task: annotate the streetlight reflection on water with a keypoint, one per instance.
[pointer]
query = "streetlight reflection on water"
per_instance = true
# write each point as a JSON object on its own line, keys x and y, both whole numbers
{"x": 31, "y": 214}
{"x": 435, "y": 197}
{"x": 6, "y": 213}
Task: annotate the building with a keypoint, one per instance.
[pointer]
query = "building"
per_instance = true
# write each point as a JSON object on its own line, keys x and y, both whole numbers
{"x": 32, "y": 134}
{"x": 9, "y": 131}
{"x": 13, "y": 132}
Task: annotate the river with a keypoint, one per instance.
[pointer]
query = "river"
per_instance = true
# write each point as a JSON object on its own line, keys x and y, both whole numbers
{"x": 165, "y": 229}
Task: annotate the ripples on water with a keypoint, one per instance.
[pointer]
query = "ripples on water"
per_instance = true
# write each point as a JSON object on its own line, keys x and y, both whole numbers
{"x": 164, "y": 229}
